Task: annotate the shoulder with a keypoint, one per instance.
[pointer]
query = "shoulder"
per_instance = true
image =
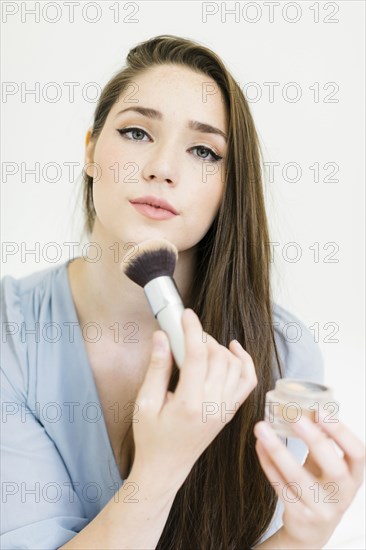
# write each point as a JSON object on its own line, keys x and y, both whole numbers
{"x": 21, "y": 296}
{"x": 22, "y": 300}
{"x": 300, "y": 353}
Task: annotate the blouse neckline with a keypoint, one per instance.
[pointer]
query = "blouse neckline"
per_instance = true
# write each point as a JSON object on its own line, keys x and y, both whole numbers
{"x": 87, "y": 367}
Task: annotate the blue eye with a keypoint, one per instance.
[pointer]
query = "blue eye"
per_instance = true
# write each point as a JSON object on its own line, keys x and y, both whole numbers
{"x": 210, "y": 152}
{"x": 128, "y": 130}
{"x": 214, "y": 156}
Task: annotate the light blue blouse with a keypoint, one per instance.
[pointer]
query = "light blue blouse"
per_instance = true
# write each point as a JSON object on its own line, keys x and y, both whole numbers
{"x": 58, "y": 469}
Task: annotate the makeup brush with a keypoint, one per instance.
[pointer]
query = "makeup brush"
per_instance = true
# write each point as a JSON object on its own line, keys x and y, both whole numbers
{"x": 152, "y": 268}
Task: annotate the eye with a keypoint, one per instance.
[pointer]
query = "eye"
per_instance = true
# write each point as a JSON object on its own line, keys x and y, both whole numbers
{"x": 128, "y": 130}
{"x": 206, "y": 150}
{"x": 214, "y": 157}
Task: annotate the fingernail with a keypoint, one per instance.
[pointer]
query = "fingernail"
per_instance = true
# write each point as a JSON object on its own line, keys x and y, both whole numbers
{"x": 189, "y": 314}
{"x": 265, "y": 432}
{"x": 159, "y": 342}
{"x": 304, "y": 424}
{"x": 323, "y": 417}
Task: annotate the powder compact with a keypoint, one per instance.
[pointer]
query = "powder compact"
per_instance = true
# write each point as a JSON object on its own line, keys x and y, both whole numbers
{"x": 291, "y": 398}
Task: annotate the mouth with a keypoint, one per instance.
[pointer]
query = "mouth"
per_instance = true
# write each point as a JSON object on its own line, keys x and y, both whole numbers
{"x": 153, "y": 212}
{"x": 153, "y": 200}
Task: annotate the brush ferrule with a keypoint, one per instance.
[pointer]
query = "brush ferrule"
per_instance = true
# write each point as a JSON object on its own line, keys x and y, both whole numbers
{"x": 161, "y": 292}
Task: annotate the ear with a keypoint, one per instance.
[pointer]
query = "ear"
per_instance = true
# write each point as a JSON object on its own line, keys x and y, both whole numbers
{"x": 89, "y": 153}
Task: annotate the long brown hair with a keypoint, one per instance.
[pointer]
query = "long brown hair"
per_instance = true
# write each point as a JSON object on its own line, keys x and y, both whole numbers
{"x": 226, "y": 502}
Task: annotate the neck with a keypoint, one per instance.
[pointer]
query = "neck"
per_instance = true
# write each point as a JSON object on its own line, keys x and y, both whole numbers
{"x": 103, "y": 294}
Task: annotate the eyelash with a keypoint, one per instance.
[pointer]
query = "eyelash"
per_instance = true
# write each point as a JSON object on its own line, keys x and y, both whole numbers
{"x": 216, "y": 158}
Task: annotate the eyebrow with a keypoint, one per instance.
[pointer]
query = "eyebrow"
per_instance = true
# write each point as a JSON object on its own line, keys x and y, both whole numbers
{"x": 192, "y": 124}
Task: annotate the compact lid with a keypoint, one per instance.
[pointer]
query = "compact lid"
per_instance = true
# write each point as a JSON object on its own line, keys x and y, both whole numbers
{"x": 302, "y": 389}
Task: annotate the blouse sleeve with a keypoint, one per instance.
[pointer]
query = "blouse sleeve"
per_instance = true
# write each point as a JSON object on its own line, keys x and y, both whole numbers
{"x": 302, "y": 358}
{"x": 40, "y": 508}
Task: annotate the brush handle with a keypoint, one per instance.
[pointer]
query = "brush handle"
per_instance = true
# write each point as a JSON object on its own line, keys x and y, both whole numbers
{"x": 170, "y": 320}
{"x": 167, "y": 306}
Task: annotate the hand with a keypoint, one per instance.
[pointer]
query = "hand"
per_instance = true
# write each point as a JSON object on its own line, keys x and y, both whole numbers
{"x": 172, "y": 430}
{"x": 322, "y": 489}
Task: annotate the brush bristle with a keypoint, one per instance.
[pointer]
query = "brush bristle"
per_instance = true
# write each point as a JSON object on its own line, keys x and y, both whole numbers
{"x": 154, "y": 258}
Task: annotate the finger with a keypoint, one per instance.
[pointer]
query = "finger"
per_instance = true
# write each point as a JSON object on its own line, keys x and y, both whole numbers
{"x": 248, "y": 369}
{"x": 242, "y": 391}
{"x": 288, "y": 493}
{"x": 153, "y": 390}
{"x": 169, "y": 396}
{"x": 194, "y": 368}
{"x": 283, "y": 460}
{"x": 216, "y": 373}
{"x": 232, "y": 380}
{"x": 322, "y": 449}
{"x": 248, "y": 377}
{"x": 349, "y": 443}
{"x": 312, "y": 466}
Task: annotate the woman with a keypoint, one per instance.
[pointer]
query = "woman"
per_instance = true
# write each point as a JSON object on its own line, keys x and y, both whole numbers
{"x": 101, "y": 430}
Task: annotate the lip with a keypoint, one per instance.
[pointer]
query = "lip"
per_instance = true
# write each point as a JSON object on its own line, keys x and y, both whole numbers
{"x": 155, "y": 202}
{"x": 152, "y": 212}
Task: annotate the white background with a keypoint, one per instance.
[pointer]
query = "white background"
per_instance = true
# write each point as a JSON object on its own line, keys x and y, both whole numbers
{"x": 318, "y": 128}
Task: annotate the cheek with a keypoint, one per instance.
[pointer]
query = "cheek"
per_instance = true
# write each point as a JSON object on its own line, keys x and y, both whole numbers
{"x": 114, "y": 164}
{"x": 203, "y": 206}
{"x": 109, "y": 168}
{"x": 109, "y": 187}
{"x": 210, "y": 194}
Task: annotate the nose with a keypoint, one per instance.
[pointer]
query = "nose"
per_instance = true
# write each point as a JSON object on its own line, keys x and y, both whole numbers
{"x": 161, "y": 166}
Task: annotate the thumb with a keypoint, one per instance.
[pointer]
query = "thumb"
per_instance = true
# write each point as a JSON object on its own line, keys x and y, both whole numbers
{"x": 155, "y": 385}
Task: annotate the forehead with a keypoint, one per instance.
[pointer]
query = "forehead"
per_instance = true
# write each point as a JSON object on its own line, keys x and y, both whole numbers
{"x": 178, "y": 92}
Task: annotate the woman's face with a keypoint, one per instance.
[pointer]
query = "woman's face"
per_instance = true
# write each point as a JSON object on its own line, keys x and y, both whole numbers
{"x": 166, "y": 156}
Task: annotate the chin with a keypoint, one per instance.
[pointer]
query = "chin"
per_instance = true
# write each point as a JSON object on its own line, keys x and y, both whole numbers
{"x": 142, "y": 233}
